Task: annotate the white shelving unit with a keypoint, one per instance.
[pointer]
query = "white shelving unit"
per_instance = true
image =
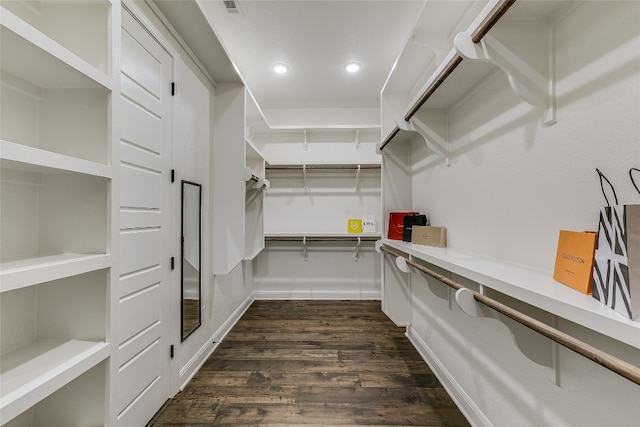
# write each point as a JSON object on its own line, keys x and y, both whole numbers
{"x": 481, "y": 119}
{"x": 256, "y": 185}
{"x": 228, "y": 157}
{"x": 55, "y": 178}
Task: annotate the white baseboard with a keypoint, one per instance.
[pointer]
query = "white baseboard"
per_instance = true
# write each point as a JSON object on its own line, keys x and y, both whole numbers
{"x": 195, "y": 363}
{"x": 464, "y": 402}
{"x": 309, "y": 294}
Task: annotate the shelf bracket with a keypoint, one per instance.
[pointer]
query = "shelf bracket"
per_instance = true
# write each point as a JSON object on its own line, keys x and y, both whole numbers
{"x": 434, "y": 142}
{"x": 358, "y": 247}
{"x": 534, "y": 346}
{"x": 304, "y": 177}
{"x": 402, "y": 265}
{"x": 530, "y": 84}
{"x": 436, "y": 42}
{"x": 304, "y": 249}
{"x": 355, "y": 189}
{"x": 259, "y": 182}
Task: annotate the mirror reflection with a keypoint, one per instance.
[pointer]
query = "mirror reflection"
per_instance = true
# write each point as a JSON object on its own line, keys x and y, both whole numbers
{"x": 191, "y": 258}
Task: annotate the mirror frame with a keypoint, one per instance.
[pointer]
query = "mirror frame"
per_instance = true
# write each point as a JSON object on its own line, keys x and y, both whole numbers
{"x": 185, "y": 334}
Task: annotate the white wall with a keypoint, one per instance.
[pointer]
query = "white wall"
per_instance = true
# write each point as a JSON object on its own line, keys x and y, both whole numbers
{"x": 512, "y": 185}
{"x": 331, "y": 270}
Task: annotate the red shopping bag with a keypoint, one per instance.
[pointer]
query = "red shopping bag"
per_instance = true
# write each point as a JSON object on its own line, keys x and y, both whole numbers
{"x": 396, "y": 224}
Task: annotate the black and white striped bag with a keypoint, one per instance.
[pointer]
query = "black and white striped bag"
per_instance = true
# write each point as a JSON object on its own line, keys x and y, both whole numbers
{"x": 616, "y": 268}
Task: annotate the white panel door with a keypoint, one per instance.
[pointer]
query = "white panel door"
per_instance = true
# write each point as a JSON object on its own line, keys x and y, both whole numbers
{"x": 142, "y": 382}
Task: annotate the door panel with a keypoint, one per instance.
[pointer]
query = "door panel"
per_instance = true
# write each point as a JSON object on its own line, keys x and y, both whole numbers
{"x": 142, "y": 380}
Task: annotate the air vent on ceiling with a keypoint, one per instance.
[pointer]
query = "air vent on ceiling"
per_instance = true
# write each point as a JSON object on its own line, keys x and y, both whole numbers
{"x": 231, "y": 6}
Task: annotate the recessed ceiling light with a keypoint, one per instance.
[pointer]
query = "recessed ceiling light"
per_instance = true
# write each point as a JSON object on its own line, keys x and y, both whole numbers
{"x": 352, "y": 67}
{"x": 281, "y": 68}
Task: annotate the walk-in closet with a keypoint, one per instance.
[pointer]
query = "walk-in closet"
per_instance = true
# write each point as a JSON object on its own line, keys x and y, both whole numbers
{"x": 199, "y": 204}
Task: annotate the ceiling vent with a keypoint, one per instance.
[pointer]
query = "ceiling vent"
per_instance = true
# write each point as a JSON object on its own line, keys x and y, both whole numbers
{"x": 231, "y": 6}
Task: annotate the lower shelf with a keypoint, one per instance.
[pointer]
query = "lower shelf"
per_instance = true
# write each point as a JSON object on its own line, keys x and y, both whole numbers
{"x": 530, "y": 285}
{"x": 36, "y": 370}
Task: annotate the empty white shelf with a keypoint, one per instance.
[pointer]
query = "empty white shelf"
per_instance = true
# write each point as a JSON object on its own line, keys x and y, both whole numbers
{"x": 36, "y": 370}
{"x": 23, "y": 157}
{"x": 31, "y": 271}
{"x": 26, "y": 52}
{"x": 533, "y": 286}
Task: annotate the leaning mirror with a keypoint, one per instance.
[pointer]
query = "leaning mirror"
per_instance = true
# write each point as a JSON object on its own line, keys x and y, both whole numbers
{"x": 191, "y": 247}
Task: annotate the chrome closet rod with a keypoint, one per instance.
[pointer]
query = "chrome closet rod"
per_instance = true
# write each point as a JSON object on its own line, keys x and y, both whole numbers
{"x": 477, "y": 35}
{"x": 619, "y": 366}
{"x": 350, "y": 166}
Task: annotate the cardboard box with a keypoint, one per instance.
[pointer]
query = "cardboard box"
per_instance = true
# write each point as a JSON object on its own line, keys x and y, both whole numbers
{"x": 429, "y": 236}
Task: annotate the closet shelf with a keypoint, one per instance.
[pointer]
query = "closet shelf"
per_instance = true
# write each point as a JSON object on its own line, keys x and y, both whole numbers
{"x": 255, "y": 253}
{"x": 251, "y": 176}
{"x": 532, "y": 286}
{"x": 36, "y": 370}
{"x": 32, "y": 271}
{"x": 320, "y": 237}
{"x": 30, "y": 159}
{"x": 335, "y": 166}
{"x": 36, "y": 58}
{"x": 520, "y": 48}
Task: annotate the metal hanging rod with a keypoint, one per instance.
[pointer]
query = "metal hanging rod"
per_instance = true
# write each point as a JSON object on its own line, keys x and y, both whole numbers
{"x": 327, "y": 166}
{"x": 620, "y": 367}
{"x": 477, "y": 35}
{"x": 301, "y": 238}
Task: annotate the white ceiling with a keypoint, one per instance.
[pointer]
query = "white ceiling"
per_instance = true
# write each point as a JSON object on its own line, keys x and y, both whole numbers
{"x": 315, "y": 38}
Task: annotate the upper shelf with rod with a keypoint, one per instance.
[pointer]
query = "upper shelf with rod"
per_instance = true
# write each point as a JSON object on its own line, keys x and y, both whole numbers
{"x": 509, "y": 35}
{"x": 353, "y": 170}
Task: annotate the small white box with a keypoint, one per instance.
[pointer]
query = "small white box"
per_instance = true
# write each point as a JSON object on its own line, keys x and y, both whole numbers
{"x": 369, "y": 224}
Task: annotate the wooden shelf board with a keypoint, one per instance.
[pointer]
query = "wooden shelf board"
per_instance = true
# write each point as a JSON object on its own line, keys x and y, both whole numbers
{"x": 36, "y": 370}
{"x": 32, "y": 271}
{"x": 31, "y": 159}
{"x": 532, "y": 286}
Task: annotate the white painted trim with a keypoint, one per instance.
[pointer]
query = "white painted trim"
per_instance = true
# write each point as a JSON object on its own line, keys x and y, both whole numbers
{"x": 201, "y": 356}
{"x": 464, "y": 402}
{"x": 192, "y": 56}
{"x": 309, "y": 294}
{"x": 135, "y": 11}
{"x": 195, "y": 363}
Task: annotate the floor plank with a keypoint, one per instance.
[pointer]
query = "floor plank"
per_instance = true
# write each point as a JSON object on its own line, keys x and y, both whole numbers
{"x": 313, "y": 363}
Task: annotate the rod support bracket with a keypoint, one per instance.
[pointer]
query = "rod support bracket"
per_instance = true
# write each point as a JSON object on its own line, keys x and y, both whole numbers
{"x": 436, "y": 143}
{"x": 526, "y": 77}
{"x": 401, "y": 263}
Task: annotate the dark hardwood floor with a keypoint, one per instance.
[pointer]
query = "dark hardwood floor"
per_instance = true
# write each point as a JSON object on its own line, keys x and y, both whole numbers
{"x": 313, "y": 363}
